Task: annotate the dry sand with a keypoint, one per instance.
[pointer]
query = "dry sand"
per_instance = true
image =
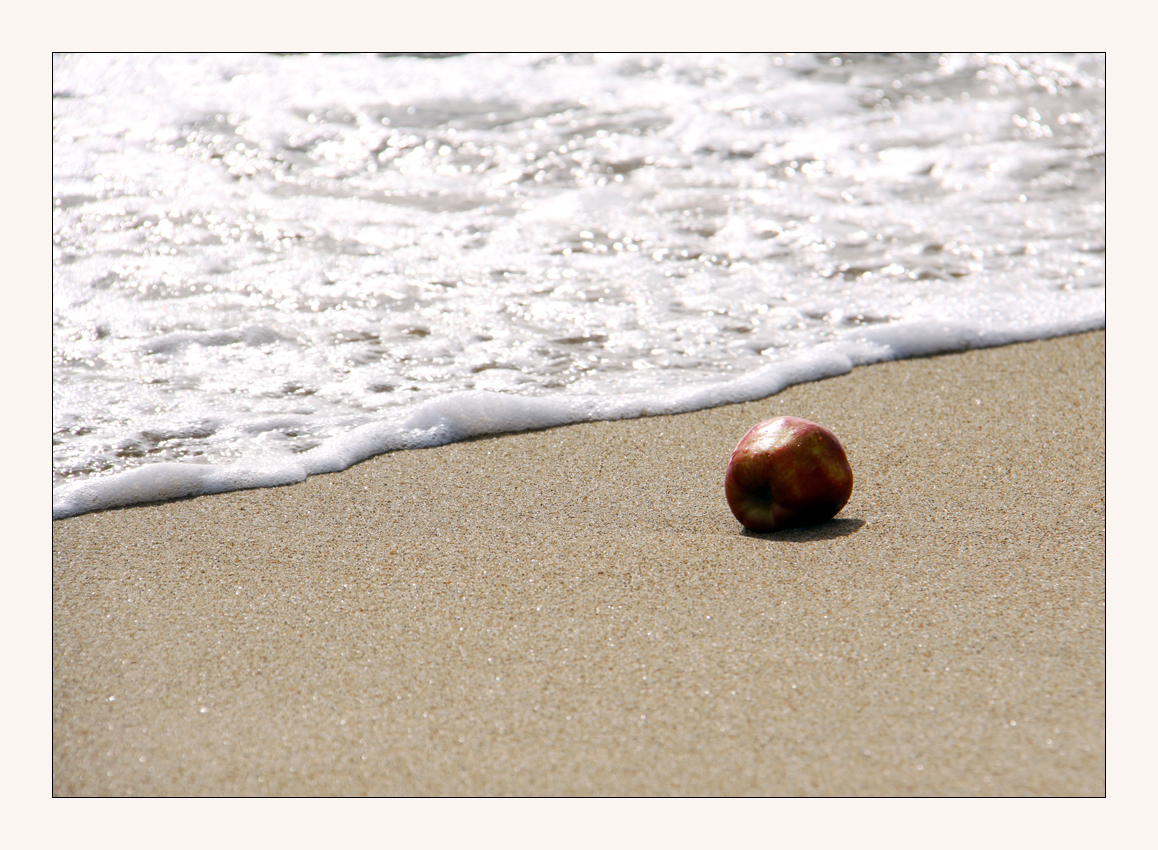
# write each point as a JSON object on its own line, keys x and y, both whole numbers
{"x": 575, "y": 611}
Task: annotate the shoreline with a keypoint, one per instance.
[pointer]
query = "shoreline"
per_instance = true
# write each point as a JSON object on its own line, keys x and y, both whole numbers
{"x": 574, "y": 611}
{"x": 473, "y": 414}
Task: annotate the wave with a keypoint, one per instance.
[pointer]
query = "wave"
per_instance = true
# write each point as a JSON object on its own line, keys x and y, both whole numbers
{"x": 463, "y": 415}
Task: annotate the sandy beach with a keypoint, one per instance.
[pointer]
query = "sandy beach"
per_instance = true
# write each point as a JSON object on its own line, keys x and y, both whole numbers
{"x": 576, "y": 612}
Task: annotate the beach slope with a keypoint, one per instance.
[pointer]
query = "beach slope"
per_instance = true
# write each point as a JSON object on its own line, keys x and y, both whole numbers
{"x": 575, "y": 611}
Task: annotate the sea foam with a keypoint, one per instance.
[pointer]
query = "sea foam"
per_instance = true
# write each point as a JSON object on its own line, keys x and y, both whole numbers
{"x": 269, "y": 267}
{"x": 476, "y": 413}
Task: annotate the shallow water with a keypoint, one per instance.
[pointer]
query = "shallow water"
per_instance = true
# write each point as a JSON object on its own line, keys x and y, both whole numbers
{"x": 271, "y": 266}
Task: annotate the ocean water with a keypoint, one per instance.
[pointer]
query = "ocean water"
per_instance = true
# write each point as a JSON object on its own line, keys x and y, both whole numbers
{"x": 267, "y": 267}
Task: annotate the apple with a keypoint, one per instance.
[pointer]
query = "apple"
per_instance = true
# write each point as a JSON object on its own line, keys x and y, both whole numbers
{"x": 787, "y": 472}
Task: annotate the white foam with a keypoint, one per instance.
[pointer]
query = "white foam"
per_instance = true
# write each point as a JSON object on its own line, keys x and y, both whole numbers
{"x": 472, "y": 414}
{"x": 272, "y": 267}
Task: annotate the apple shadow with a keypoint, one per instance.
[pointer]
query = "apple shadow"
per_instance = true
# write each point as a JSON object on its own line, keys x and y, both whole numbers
{"x": 833, "y": 528}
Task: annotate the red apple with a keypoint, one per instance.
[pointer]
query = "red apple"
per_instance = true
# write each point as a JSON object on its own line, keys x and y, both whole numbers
{"x": 787, "y": 472}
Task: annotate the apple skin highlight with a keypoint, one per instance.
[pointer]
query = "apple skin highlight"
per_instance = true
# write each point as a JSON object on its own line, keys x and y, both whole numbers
{"x": 787, "y": 472}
